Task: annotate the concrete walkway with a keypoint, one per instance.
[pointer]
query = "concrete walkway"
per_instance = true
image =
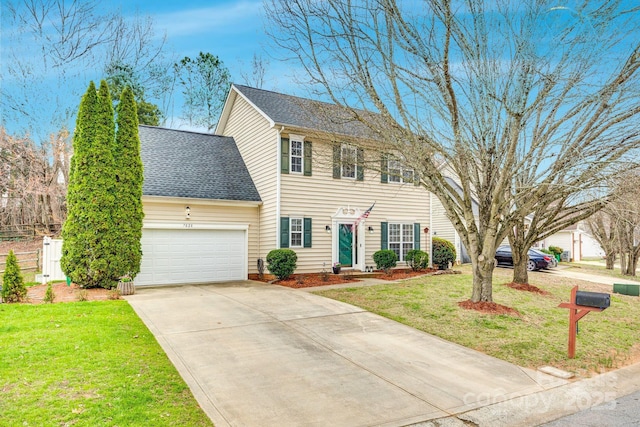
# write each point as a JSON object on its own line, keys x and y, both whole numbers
{"x": 589, "y": 277}
{"x": 264, "y": 355}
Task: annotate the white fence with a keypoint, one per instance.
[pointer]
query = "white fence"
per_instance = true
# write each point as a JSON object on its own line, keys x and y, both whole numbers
{"x": 51, "y": 254}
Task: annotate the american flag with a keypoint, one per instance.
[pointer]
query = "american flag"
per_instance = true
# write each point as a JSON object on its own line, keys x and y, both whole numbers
{"x": 364, "y": 215}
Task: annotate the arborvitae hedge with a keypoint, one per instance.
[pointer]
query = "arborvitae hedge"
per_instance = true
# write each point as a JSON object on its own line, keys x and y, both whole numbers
{"x": 88, "y": 233}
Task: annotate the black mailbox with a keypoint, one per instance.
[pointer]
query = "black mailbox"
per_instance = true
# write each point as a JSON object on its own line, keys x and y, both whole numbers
{"x": 593, "y": 299}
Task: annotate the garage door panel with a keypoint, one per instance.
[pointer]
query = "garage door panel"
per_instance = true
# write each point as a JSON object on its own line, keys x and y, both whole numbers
{"x": 175, "y": 256}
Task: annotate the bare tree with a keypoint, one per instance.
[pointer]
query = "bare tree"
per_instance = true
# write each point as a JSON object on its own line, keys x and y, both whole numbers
{"x": 603, "y": 228}
{"x": 50, "y": 44}
{"x": 520, "y": 111}
{"x": 256, "y": 77}
{"x": 33, "y": 181}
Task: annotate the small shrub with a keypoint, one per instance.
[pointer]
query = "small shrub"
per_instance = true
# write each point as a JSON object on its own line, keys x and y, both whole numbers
{"x": 49, "y": 295}
{"x": 556, "y": 250}
{"x": 281, "y": 263}
{"x": 300, "y": 279}
{"x": 385, "y": 260}
{"x": 324, "y": 275}
{"x": 13, "y": 289}
{"x": 417, "y": 259}
{"x": 444, "y": 253}
{"x": 82, "y": 295}
{"x": 113, "y": 294}
{"x": 546, "y": 251}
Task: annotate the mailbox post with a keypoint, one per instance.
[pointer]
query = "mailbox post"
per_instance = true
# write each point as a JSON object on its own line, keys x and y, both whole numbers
{"x": 582, "y": 303}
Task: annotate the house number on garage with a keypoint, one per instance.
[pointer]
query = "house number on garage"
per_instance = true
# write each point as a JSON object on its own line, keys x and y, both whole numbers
{"x": 187, "y": 225}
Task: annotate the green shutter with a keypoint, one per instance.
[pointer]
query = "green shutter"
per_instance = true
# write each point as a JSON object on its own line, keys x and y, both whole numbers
{"x": 336, "y": 161}
{"x": 307, "y": 232}
{"x": 416, "y": 179}
{"x": 284, "y": 144}
{"x": 360, "y": 165}
{"x": 416, "y": 235}
{"x": 307, "y": 158}
{"x": 384, "y": 231}
{"x": 384, "y": 168}
{"x": 284, "y": 232}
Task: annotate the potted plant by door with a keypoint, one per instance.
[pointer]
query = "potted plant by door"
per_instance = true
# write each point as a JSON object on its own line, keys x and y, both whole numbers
{"x": 336, "y": 268}
{"x": 125, "y": 285}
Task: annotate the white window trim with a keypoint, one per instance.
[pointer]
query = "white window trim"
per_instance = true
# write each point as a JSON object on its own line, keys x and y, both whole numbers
{"x": 291, "y": 156}
{"x": 291, "y": 219}
{"x": 392, "y": 177}
{"x": 355, "y": 161}
{"x": 401, "y": 242}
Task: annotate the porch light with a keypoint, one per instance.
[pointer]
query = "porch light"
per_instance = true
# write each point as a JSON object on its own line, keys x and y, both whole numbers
{"x": 370, "y": 229}
{"x": 327, "y": 228}
{"x": 187, "y": 212}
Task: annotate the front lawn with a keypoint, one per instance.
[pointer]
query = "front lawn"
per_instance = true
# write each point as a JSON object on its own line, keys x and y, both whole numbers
{"x": 537, "y": 337}
{"x": 87, "y": 364}
{"x": 600, "y": 268}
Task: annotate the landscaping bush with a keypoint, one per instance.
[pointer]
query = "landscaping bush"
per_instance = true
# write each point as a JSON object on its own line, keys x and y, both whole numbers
{"x": 281, "y": 263}
{"x": 443, "y": 253}
{"x": 49, "y": 295}
{"x": 13, "y": 289}
{"x": 417, "y": 259}
{"x": 385, "y": 260}
{"x": 556, "y": 250}
{"x": 547, "y": 251}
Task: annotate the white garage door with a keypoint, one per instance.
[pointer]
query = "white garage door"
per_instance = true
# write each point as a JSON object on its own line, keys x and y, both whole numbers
{"x": 192, "y": 256}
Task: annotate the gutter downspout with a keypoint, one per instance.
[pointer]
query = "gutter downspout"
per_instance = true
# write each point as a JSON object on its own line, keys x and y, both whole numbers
{"x": 278, "y": 185}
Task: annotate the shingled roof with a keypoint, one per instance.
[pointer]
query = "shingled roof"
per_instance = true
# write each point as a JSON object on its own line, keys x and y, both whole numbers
{"x": 195, "y": 165}
{"x": 293, "y": 111}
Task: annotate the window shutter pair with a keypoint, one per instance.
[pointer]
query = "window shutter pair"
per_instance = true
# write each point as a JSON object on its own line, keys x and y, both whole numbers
{"x": 384, "y": 230}
{"x": 284, "y": 152}
{"x": 284, "y": 232}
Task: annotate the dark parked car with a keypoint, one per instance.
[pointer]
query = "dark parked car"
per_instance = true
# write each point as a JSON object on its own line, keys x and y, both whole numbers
{"x": 537, "y": 260}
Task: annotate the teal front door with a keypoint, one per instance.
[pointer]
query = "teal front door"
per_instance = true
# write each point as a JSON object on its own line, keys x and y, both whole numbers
{"x": 345, "y": 245}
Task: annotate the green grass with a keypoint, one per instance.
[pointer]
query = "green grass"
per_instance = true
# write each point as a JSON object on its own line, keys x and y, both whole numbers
{"x": 87, "y": 364}
{"x": 538, "y": 337}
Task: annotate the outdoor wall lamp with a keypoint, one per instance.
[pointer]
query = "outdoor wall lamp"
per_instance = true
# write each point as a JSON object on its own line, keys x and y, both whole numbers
{"x": 370, "y": 229}
{"x": 327, "y": 228}
{"x": 187, "y": 212}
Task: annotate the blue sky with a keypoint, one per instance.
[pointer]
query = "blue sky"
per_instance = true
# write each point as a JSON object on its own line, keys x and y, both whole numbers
{"x": 231, "y": 29}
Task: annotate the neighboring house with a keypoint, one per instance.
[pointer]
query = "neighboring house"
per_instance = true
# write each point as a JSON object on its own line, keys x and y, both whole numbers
{"x": 201, "y": 209}
{"x": 576, "y": 241}
{"x": 308, "y": 165}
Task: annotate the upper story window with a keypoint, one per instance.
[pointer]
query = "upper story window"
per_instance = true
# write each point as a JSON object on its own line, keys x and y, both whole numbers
{"x": 393, "y": 170}
{"x": 398, "y": 173}
{"x": 297, "y": 155}
{"x": 348, "y": 162}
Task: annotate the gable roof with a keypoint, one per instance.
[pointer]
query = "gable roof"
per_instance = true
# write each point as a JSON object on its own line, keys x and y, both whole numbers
{"x": 295, "y": 112}
{"x": 180, "y": 163}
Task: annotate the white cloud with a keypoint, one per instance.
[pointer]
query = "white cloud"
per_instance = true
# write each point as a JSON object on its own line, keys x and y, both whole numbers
{"x": 222, "y": 18}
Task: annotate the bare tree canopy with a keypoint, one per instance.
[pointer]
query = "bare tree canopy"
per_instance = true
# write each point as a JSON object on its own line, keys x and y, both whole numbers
{"x": 58, "y": 43}
{"x": 523, "y": 103}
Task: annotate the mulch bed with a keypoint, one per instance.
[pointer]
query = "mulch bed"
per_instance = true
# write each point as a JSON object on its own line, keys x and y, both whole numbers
{"x": 64, "y": 293}
{"x": 489, "y": 308}
{"x": 526, "y": 287}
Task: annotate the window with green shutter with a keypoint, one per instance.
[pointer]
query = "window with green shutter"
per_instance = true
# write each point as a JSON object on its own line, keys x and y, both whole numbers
{"x": 307, "y": 158}
{"x": 307, "y": 232}
{"x": 384, "y": 232}
{"x": 416, "y": 235}
{"x": 284, "y": 232}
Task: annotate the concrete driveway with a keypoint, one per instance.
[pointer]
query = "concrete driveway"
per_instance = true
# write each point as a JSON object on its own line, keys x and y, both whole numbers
{"x": 264, "y": 355}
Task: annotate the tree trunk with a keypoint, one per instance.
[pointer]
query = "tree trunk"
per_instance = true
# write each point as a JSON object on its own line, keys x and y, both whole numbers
{"x": 482, "y": 278}
{"x": 520, "y": 256}
{"x": 610, "y": 259}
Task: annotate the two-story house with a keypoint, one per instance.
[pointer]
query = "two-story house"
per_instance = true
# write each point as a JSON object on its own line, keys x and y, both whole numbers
{"x": 281, "y": 172}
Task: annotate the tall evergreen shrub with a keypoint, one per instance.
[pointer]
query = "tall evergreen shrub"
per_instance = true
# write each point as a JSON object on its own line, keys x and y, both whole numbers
{"x": 88, "y": 233}
{"x": 128, "y": 212}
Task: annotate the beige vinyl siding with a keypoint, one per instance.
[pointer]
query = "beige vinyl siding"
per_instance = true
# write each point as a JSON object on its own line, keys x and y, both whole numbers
{"x": 257, "y": 143}
{"x": 320, "y": 196}
{"x": 207, "y": 212}
{"x": 442, "y": 227}
{"x": 563, "y": 240}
